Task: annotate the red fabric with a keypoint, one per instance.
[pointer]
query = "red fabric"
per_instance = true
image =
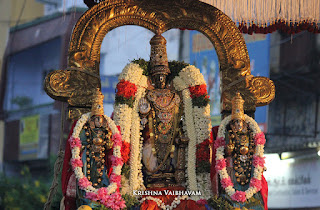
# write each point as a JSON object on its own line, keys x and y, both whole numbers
{"x": 264, "y": 192}
{"x": 168, "y": 199}
{"x": 214, "y": 174}
{"x": 69, "y": 202}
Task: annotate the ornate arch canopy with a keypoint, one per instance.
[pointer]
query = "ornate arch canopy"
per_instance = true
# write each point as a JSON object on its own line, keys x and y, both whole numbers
{"x": 76, "y": 84}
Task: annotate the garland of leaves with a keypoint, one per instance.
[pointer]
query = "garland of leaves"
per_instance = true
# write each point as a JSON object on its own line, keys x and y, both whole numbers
{"x": 174, "y": 66}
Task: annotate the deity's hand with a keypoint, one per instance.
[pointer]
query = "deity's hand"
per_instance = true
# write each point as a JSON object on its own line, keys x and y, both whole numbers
{"x": 182, "y": 140}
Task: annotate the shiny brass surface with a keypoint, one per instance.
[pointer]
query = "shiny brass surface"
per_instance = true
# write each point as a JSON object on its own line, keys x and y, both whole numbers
{"x": 77, "y": 84}
{"x": 237, "y": 107}
{"x": 97, "y": 103}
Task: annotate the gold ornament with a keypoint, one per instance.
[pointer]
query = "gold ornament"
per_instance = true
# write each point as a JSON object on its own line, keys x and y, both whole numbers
{"x": 237, "y": 107}
{"x": 158, "y": 58}
{"x": 244, "y": 150}
{"x": 97, "y": 104}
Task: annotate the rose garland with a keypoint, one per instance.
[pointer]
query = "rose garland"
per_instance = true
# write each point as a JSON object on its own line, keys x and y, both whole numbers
{"x": 258, "y": 161}
{"x": 108, "y": 196}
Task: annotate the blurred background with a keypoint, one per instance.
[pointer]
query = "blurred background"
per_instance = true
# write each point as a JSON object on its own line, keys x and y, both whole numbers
{"x": 34, "y": 40}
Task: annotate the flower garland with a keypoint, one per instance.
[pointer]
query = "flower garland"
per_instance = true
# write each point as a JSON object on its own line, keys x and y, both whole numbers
{"x": 127, "y": 116}
{"x": 258, "y": 161}
{"x": 191, "y": 133}
{"x": 126, "y": 92}
{"x": 197, "y": 125}
{"x": 108, "y": 196}
{"x": 199, "y": 95}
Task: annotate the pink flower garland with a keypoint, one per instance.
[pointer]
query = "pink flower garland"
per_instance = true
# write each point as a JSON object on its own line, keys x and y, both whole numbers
{"x": 219, "y": 142}
{"x": 258, "y": 161}
{"x": 84, "y": 183}
{"x": 76, "y": 163}
{"x": 221, "y": 164}
{"x": 260, "y": 138}
{"x": 239, "y": 196}
{"x": 75, "y": 142}
{"x": 109, "y": 199}
{"x": 256, "y": 183}
{"x": 226, "y": 182}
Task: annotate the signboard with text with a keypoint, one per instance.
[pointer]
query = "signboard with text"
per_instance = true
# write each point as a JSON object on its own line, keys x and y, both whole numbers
{"x": 29, "y": 137}
{"x": 293, "y": 183}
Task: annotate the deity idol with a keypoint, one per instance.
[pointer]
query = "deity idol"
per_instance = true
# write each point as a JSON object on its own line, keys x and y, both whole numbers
{"x": 163, "y": 153}
{"x": 241, "y": 141}
{"x": 92, "y": 154}
{"x": 163, "y": 112}
{"x": 96, "y": 143}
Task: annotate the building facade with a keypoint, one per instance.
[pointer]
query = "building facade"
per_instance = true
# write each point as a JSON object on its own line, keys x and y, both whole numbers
{"x": 31, "y": 118}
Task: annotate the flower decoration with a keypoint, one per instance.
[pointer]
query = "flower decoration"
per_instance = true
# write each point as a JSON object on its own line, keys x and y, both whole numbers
{"x": 258, "y": 161}
{"x": 126, "y": 116}
{"x": 239, "y": 196}
{"x": 197, "y": 127}
{"x": 126, "y": 89}
{"x": 198, "y": 90}
{"x": 226, "y": 182}
{"x": 126, "y": 92}
{"x": 203, "y": 151}
{"x": 199, "y": 95}
{"x": 125, "y": 150}
{"x": 203, "y": 156}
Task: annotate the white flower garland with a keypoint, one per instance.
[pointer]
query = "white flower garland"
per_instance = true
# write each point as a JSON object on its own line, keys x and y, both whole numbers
{"x": 259, "y": 154}
{"x": 129, "y": 121}
{"x": 76, "y": 153}
{"x": 202, "y": 119}
{"x": 191, "y": 133}
{"x": 198, "y": 128}
{"x": 123, "y": 117}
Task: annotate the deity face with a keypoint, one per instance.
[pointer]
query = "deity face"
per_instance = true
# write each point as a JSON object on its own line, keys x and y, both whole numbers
{"x": 238, "y": 124}
{"x": 159, "y": 80}
{"x": 98, "y": 121}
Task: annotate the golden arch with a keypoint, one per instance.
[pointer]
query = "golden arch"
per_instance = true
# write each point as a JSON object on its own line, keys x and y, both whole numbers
{"x": 77, "y": 83}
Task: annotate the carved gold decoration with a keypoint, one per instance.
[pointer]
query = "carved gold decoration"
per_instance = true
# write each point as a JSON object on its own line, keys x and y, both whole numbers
{"x": 158, "y": 57}
{"x": 78, "y": 84}
{"x": 237, "y": 107}
{"x": 263, "y": 89}
{"x": 97, "y": 104}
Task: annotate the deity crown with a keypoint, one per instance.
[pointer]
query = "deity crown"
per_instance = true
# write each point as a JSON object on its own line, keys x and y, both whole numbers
{"x": 237, "y": 107}
{"x": 97, "y": 103}
{"x": 158, "y": 58}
